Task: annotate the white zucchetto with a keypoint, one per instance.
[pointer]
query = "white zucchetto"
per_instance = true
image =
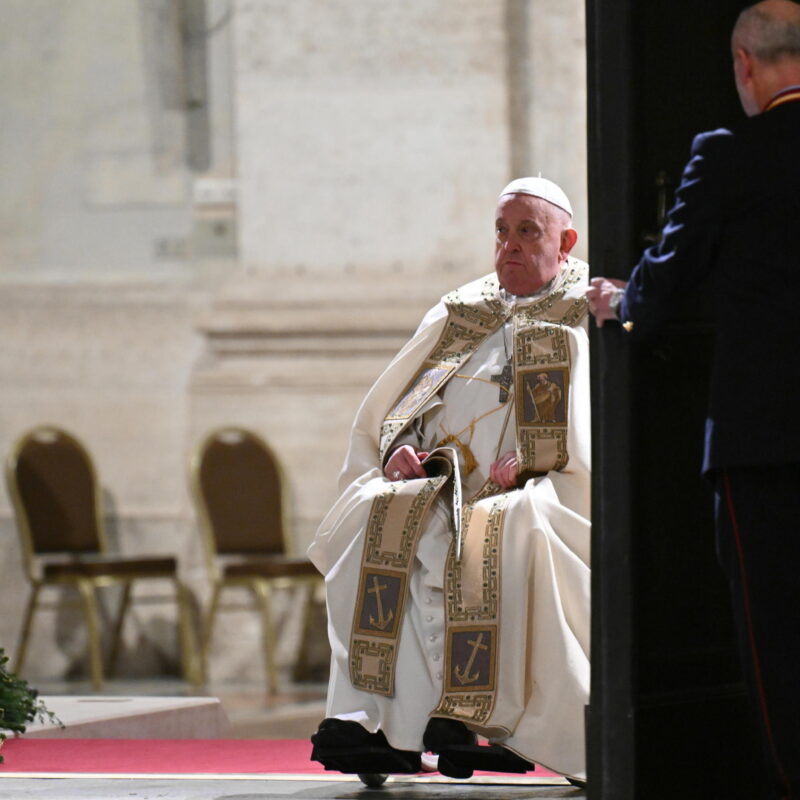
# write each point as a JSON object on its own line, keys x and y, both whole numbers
{"x": 540, "y": 187}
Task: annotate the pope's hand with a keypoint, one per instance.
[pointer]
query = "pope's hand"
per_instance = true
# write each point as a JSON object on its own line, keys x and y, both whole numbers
{"x": 504, "y": 471}
{"x": 405, "y": 462}
{"x": 600, "y": 293}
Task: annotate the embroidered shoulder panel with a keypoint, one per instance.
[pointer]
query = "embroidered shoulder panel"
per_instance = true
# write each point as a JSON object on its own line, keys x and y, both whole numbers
{"x": 567, "y": 305}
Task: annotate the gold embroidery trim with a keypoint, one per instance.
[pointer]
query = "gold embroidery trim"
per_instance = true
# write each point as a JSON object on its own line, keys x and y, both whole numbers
{"x": 473, "y": 615}
{"x": 542, "y": 367}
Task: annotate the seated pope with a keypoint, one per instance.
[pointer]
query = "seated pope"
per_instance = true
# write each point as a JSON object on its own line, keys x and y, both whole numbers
{"x": 456, "y": 558}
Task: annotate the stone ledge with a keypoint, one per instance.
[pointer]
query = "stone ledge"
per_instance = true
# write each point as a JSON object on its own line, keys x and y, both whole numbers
{"x": 98, "y": 717}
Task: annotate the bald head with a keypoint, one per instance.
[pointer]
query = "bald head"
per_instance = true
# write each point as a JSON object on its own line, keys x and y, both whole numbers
{"x": 766, "y": 52}
{"x": 769, "y": 30}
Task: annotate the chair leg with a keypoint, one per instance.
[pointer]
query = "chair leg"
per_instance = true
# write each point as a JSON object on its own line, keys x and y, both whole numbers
{"x": 117, "y": 634}
{"x": 88, "y": 595}
{"x": 263, "y": 592}
{"x": 301, "y": 670}
{"x": 192, "y": 666}
{"x": 208, "y": 627}
{"x": 24, "y": 634}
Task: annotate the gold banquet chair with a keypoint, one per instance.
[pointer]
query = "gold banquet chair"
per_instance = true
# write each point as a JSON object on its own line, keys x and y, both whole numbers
{"x": 57, "y": 502}
{"x": 241, "y": 495}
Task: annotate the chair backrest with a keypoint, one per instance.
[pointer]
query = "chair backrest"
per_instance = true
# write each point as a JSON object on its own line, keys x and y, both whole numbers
{"x": 56, "y": 495}
{"x": 239, "y": 487}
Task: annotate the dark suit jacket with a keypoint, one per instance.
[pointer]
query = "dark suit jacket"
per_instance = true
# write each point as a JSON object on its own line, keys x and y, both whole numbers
{"x": 736, "y": 220}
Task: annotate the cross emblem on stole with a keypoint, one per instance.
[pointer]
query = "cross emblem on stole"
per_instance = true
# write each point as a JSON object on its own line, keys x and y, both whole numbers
{"x": 504, "y": 379}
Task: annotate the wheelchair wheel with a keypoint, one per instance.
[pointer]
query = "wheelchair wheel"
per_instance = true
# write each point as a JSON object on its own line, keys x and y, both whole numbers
{"x": 372, "y": 779}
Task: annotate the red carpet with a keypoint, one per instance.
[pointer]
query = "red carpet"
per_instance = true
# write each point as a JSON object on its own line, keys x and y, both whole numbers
{"x": 154, "y": 756}
{"x": 165, "y": 757}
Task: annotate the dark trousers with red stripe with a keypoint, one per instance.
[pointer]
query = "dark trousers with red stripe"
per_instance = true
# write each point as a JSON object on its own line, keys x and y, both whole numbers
{"x": 758, "y": 544}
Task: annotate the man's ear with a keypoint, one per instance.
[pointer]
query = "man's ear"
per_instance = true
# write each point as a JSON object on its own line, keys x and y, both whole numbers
{"x": 743, "y": 65}
{"x": 568, "y": 238}
{"x": 749, "y": 84}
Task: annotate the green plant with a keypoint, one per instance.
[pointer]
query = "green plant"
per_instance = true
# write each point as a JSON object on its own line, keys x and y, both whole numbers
{"x": 19, "y": 703}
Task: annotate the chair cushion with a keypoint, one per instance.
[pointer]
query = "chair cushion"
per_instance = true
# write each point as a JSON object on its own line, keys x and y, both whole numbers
{"x": 277, "y": 566}
{"x": 155, "y": 567}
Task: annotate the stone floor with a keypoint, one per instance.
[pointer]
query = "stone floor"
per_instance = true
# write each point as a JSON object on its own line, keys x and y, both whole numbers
{"x": 294, "y": 713}
{"x": 205, "y": 789}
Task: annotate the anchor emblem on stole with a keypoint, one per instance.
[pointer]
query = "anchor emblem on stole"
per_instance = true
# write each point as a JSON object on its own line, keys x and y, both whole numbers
{"x": 382, "y": 622}
{"x": 462, "y": 675}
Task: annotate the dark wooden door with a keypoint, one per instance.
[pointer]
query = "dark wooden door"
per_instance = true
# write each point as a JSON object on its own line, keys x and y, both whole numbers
{"x": 668, "y": 715}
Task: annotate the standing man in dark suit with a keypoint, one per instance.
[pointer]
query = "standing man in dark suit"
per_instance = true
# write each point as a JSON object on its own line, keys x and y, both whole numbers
{"x": 736, "y": 221}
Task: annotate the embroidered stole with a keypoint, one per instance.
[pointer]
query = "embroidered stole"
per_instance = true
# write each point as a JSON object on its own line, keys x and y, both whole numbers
{"x": 472, "y": 625}
{"x": 395, "y": 522}
{"x": 541, "y": 364}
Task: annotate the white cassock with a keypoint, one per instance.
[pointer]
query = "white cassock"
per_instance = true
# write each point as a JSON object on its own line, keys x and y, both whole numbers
{"x": 542, "y": 677}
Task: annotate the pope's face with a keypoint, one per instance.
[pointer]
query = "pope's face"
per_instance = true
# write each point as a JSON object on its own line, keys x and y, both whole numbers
{"x": 532, "y": 240}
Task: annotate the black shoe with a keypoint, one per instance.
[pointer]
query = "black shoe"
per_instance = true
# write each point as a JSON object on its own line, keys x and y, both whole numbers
{"x": 460, "y": 754}
{"x": 443, "y": 733}
{"x": 346, "y": 746}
